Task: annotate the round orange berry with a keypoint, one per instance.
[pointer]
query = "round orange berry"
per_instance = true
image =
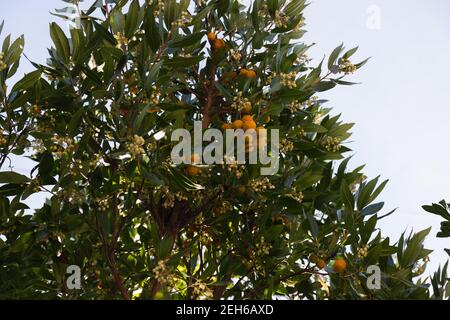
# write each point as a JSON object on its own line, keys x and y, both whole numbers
{"x": 249, "y": 125}
{"x": 218, "y": 43}
{"x": 237, "y": 124}
{"x": 211, "y": 36}
{"x": 243, "y": 72}
{"x": 251, "y": 74}
{"x": 320, "y": 264}
{"x": 339, "y": 265}
{"x": 192, "y": 171}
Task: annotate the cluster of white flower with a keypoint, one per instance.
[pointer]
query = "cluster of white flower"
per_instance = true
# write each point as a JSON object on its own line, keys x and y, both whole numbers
{"x": 62, "y": 145}
{"x": 240, "y": 103}
{"x": 102, "y": 204}
{"x": 286, "y": 146}
{"x": 3, "y": 65}
{"x": 235, "y": 55}
{"x": 135, "y": 146}
{"x": 286, "y": 79}
{"x": 262, "y": 247}
{"x": 295, "y": 106}
{"x": 3, "y": 140}
{"x": 162, "y": 273}
{"x": 73, "y": 197}
{"x": 184, "y": 55}
{"x": 281, "y": 20}
{"x": 204, "y": 236}
{"x": 302, "y": 59}
{"x": 169, "y": 197}
{"x": 362, "y": 252}
{"x": 233, "y": 167}
{"x": 156, "y": 95}
{"x": 75, "y": 167}
{"x": 35, "y": 110}
{"x": 184, "y": 19}
{"x": 297, "y": 195}
{"x": 122, "y": 41}
{"x": 35, "y": 185}
{"x": 37, "y": 145}
{"x": 159, "y": 8}
{"x": 201, "y": 290}
{"x": 263, "y": 12}
{"x": 261, "y": 184}
{"x": 346, "y": 66}
{"x": 332, "y": 144}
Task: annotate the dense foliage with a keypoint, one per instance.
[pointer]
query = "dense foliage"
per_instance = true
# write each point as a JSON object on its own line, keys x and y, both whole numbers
{"x": 97, "y": 121}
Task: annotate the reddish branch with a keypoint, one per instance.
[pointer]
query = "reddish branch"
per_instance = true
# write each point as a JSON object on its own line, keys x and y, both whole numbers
{"x": 211, "y": 93}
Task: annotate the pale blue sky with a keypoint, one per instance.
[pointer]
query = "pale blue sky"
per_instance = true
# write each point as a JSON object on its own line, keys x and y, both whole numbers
{"x": 401, "y": 108}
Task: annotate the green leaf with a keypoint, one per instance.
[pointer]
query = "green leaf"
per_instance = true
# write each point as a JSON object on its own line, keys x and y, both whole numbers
{"x": 14, "y": 51}
{"x": 349, "y": 53}
{"x": 46, "y": 165}
{"x": 61, "y": 42}
{"x": 347, "y": 196}
{"x": 185, "y": 41}
{"x": 27, "y": 81}
{"x": 372, "y": 209}
{"x": 132, "y": 19}
{"x": 151, "y": 31}
{"x": 13, "y": 177}
{"x": 334, "y": 56}
{"x": 75, "y": 122}
{"x": 182, "y": 62}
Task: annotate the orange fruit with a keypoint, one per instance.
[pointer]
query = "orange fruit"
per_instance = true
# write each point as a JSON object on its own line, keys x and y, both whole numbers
{"x": 339, "y": 265}
{"x": 241, "y": 189}
{"x": 211, "y": 36}
{"x": 247, "y": 118}
{"x": 249, "y": 125}
{"x": 192, "y": 171}
{"x": 320, "y": 264}
{"x": 251, "y": 74}
{"x": 237, "y": 124}
{"x": 227, "y": 126}
{"x": 218, "y": 44}
{"x": 243, "y": 72}
{"x": 313, "y": 258}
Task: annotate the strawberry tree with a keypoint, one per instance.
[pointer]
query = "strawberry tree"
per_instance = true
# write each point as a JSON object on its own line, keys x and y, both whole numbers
{"x": 99, "y": 118}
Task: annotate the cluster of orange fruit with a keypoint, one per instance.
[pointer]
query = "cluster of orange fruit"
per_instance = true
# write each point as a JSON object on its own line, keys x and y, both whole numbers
{"x": 339, "y": 266}
{"x": 251, "y": 74}
{"x": 216, "y": 42}
{"x": 245, "y": 123}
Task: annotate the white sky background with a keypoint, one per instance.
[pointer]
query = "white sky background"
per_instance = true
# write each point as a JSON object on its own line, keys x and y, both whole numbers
{"x": 401, "y": 108}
